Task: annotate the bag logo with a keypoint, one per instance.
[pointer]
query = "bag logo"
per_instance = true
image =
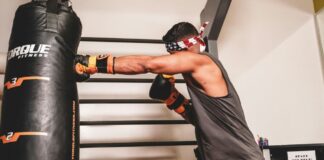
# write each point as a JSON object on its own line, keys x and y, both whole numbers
{"x": 29, "y": 51}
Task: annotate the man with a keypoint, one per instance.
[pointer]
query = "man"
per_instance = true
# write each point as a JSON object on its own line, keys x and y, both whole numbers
{"x": 216, "y": 112}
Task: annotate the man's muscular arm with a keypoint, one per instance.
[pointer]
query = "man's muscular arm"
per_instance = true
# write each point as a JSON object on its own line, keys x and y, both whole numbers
{"x": 135, "y": 64}
{"x": 181, "y": 62}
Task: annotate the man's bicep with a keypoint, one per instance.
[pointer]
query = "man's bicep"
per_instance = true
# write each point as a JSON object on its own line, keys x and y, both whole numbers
{"x": 172, "y": 64}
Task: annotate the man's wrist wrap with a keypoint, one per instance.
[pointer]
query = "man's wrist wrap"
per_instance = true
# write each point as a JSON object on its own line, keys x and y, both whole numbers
{"x": 105, "y": 64}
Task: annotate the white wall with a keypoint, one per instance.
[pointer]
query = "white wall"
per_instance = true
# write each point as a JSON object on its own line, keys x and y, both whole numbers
{"x": 320, "y": 31}
{"x": 269, "y": 47}
{"x": 320, "y": 21}
{"x": 320, "y": 25}
{"x": 271, "y": 52}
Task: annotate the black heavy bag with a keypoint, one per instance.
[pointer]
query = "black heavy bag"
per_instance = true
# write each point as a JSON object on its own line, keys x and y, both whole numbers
{"x": 40, "y": 112}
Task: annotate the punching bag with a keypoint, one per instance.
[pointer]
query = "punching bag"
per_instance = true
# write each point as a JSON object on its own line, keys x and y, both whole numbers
{"x": 40, "y": 110}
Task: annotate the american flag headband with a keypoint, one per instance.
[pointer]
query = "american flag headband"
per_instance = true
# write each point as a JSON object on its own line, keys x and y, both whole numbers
{"x": 186, "y": 43}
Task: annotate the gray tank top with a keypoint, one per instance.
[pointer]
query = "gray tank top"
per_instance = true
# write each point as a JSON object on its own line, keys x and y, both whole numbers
{"x": 221, "y": 129}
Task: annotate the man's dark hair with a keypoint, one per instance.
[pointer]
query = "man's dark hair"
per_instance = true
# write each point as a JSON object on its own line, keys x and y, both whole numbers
{"x": 179, "y": 31}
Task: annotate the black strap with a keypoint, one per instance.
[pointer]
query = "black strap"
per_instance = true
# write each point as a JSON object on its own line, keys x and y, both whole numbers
{"x": 52, "y": 17}
{"x": 67, "y": 3}
{"x": 52, "y": 11}
{"x": 178, "y": 102}
{"x": 52, "y": 6}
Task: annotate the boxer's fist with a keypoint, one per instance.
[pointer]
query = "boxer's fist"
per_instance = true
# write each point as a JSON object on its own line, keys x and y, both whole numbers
{"x": 83, "y": 67}
{"x": 163, "y": 89}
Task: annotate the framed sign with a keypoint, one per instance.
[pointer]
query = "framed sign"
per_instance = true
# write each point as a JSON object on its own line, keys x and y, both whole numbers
{"x": 301, "y": 155}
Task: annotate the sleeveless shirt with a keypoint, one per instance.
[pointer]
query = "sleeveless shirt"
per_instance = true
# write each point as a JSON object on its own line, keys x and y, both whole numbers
{"x": 220, "y": 126}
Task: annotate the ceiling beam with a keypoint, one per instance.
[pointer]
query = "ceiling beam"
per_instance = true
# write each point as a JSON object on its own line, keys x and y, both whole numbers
{"x": 215, "y": 12}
